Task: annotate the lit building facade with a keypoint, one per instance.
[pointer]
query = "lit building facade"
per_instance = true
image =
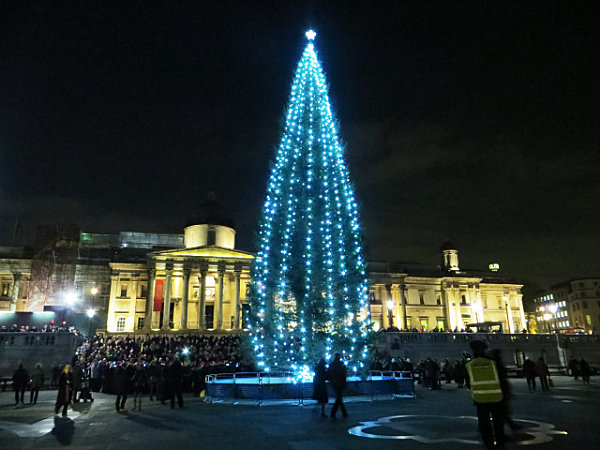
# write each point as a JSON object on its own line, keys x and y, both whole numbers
{"x": 444, "y": 297}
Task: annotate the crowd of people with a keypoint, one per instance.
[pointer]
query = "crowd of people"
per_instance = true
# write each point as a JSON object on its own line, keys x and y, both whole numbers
{"x": 50, "y": 327}
{"x": 394, "y": 329}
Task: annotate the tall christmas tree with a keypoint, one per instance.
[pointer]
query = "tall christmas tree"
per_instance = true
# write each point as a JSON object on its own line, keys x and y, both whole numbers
{"x": 309, "y": 289}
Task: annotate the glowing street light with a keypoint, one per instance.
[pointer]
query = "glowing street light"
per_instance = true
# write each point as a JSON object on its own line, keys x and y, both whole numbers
{"x": 94, "y": 290}
{"x": 70, "y": 297}
{"x": 91, "y": 312}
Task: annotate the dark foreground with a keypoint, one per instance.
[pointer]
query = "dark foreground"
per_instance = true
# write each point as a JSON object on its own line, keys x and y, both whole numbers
{"x": 435, "y": 419}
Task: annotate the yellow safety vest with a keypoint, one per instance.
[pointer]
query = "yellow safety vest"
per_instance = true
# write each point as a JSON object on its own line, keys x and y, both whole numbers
{"x": 485, "y": 383}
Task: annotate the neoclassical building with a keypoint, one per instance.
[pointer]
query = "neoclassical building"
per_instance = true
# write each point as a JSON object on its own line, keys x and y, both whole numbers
{"x": 200, "y": 286}
{"x": 444, "y": 297}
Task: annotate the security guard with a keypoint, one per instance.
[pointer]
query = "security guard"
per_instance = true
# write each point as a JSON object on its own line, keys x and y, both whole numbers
{"x": 486, "y": 393}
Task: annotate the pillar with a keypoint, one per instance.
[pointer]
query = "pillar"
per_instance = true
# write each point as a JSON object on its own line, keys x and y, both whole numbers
{"x": 221, "y": 272}
{"x": 149, "y": 300}
{"x": 521, "y": 313}
{"x": 236, "y": 318}
{"x": 111, "y": 324}
{"x": 133, "y": 298}
{"x": 14, "y": 298}
{"x": 167, "y": 300}
{"x": 202, "y": 299}
{"x": 184, "y": 306}
{"x": 390, "y": 312}
{"x": 403, "y": 303}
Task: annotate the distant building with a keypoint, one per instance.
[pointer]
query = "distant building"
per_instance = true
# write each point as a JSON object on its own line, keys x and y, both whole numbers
{"x": 139, "y": 282}
{"x": 410, "y": 296}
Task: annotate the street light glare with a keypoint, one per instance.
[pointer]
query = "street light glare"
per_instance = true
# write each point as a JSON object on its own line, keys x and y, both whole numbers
{"x": 70, "y": 297}
{"x": 94, "y": 290}
{"x": 90, "y": 313}
{"x": 390, "y": 304}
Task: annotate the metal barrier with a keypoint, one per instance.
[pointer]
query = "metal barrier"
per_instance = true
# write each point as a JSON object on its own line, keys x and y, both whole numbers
{"x": 263, "y": 388}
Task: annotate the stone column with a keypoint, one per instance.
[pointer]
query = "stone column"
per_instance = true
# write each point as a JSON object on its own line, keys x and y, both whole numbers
{"x": 509, "y": 318}
{"x": 202, "y": 299}
{"x": 521, "y": 313}
{"x": 221, "y": 270}
{"x": 236, "y": 317}
{"x": 14, "y": 298}
{"x": 403, "y": 304}
{"x": 390, "y": 313}
{"x": 149, "y": 300}
{"x": 167, "y": 300}
{"x": 133, "y": 297}
{"x": 184, "y": 305}
{"x": 111, "y": 322}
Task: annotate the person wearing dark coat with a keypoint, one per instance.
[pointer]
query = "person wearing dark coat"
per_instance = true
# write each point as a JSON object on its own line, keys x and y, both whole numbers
{"x": 175, "y": 383}
{"x": 20, "y": 380}
{"x": 121, "y": 386}
{"x": 77, "y": 379}
{"x": 574, "y": 368}
{"x": 337, "y": 378}
{"x": 65, "y": 388}
{"x": 37, "y": 382}
{"x": 140, "y": 381}
{"x": 542, "y": 371}
{"x": 530, "y": 373}
{"x": 320, "y": 386}
{"x": 585, "y": 371}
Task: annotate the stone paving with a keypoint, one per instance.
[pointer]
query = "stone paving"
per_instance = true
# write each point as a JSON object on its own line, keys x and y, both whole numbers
{"x": 564, "y": 418}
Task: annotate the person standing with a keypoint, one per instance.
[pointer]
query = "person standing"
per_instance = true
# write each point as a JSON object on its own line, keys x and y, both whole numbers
{"x": 121, "y": 386}
{"x": 65, "y": 388}
{"x": 20, "y": 380}
{"x": 486, "y": 394}
{"x": 337, "y": 378}
{"x": 37, "y": 382}
{"x": 574, "y": 368}
{"x": 320, "y": 386}
{"x": 77, "y": 379}
{"x": 154, "y": 372}
{"x": 175, "y": 383}
{"x": 530, "y": 373}
{"x": 542, "y": 372}
{"x": 140, "y": 381}
{"x": 585, "y": 371}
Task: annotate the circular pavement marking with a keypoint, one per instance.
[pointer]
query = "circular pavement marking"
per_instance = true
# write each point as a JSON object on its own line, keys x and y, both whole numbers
{"x": 434, "y": 429}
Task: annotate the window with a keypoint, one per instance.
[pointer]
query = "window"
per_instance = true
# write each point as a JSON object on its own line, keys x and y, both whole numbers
{"x": 140, "y": 323}
{"x": 584, "y": 305}
{"x": 441, "y": 324}
{"x": 463, "y": 300}
{"x": 211, "y": 237}
{"x": 588, "y": 320}
{"x": 144, "y": 291}
{"x": 421, "y": 298}
{"x": 124, "y": 290}
{"x": 424, "y": 322}
{"x": 5, "y": 289}
{"x": 121, "y": 324}
{"x": 439, "y": 301}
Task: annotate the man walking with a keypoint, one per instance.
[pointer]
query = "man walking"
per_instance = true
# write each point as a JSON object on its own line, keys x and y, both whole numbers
{"x": 530, "y": 373}
{"x": 20, "y": 380}
{"x": 337, "y": 378}
{"x": 486, "y": 393}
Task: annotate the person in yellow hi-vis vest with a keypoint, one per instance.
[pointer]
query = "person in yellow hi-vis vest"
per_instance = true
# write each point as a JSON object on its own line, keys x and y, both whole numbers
{"x": 486, "y": 393}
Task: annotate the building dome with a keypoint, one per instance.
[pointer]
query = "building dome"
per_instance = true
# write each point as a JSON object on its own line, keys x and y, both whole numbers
{"x": 211, "y": 212}
{"x": 448, "y": 246}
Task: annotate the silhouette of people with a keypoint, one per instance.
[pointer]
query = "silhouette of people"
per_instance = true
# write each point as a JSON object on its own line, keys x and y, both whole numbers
{"x": 37, "y": 382}
{"x": 530, "y": 373}
{"x": 320, "y": 386}
{"x": 20, "y": 380}
{"x": 337, "y": 378}
{"x": 65, "y": 389}
{"x": 542, "y": 372}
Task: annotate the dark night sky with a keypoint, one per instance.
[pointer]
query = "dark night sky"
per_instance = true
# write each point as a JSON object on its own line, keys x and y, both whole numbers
{"x": 470, "y": 122}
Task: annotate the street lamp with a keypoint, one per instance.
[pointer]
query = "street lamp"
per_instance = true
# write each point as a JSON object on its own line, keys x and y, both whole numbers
{"x": 390, "y": 307}
{"x": 90, "y": 313}
{"x": 553, "y": 308}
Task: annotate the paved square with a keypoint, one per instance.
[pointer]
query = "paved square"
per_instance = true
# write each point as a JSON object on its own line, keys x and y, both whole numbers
{"x": 435, "y": 419}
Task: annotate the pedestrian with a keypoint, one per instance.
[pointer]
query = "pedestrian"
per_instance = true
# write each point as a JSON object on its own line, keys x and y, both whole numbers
{"x": 20, "y": 380}
{"x": 486, "y": 394}
{"x": 574, "y": 368}
{"x": 175, "y": 383}
{"x": 65, "y": 389}
{"x": 77, "y": 379}
{"x": 140, "y": 381}
{"x": 460, "y": 372}
{"x": 36, "y": 383}
{"x": 154, "y": 373}
{"x": 496, "y": 355}
{"x": 585, "y": 371}
{"x": 542, "y": 372}
{"x": 337, "y": 377}
{"x": 121, "y": 386}
{"x": 530, "y": 373}
{"x": 320, "y": 386}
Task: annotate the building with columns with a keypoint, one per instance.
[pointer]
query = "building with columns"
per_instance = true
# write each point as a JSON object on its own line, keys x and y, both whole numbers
{"x": 445, "y": 297}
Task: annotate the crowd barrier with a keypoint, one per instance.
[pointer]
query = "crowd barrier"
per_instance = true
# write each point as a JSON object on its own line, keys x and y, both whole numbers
{"x": 264, "y": 388}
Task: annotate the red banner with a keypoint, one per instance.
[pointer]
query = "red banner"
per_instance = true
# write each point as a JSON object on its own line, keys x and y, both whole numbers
{"x": 158, "y": 294}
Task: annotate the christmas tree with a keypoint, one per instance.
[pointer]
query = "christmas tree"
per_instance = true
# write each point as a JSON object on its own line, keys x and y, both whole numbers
{"x": 309, "y": 293}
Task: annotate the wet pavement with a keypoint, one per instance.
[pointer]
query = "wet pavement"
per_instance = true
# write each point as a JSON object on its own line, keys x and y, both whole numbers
{"x": 564, "y": 418}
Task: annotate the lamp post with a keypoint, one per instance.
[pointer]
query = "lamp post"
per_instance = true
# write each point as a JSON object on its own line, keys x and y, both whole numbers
{"x": 553, "y": 308}
{"x": 390, "y": 307}
{"x": 90, "y": 313}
